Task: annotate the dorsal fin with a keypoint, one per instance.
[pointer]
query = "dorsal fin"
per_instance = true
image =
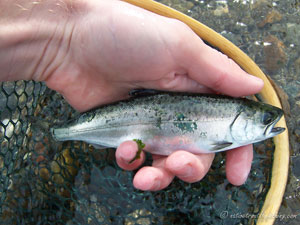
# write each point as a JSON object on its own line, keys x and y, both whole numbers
{"x": 144, "y": 92}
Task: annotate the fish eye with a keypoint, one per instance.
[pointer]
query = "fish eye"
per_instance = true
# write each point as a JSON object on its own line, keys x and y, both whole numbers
{"x": 267, "y": 118}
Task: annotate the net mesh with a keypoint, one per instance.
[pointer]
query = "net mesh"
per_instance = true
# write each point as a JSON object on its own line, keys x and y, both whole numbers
{"x": 42, "y": 182}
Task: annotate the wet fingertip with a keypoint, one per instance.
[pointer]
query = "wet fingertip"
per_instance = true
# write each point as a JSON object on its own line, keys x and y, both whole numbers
{"x": 125, "y": 154}
{"x": 189, "y": 167}
{"x": 127, "y": 151}
{"x": 238, "y": 164}
{"x": 146, "y": 180}
{"x": 177, "y": 160}
{"x": 255, "y": 81}
{"x": 239, "y": 179}
{"x": 181, "y": 164}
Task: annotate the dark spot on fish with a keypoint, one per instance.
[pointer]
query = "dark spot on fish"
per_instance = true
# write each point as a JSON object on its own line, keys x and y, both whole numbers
{"x": 187, "y": 126}
{"x": 180, "y": 117}
{"x": 183, "y": 124}
{"x": 203, "y": 134}
{"x": 158, "y": 122}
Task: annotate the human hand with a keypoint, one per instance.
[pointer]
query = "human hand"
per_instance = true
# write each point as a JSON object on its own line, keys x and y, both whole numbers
{"x": 108, "y": 48}
{"x": 127, "y": 48}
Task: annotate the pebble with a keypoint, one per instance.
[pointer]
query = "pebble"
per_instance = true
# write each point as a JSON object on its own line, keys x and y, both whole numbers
{"x": 272, "y": 17}
{"x": 221, "y": 10}
{"x": 259, "y": 3}
{"x": 293, "y": 34}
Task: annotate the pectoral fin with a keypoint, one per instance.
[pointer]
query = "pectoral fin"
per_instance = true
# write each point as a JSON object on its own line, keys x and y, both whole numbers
{"x": 220, "y": 145}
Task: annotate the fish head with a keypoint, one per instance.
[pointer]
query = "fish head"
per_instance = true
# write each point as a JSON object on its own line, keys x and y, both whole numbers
{"x": 256, "y": 122}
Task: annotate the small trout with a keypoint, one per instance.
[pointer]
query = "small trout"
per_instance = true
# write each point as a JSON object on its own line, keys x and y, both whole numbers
{"x": 166, "y": 122}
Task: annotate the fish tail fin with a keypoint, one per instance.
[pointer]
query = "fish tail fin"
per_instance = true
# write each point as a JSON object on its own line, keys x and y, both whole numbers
{"x": 38, "y": 125}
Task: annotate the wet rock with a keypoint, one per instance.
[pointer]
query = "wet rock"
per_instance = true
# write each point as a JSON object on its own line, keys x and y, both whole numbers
{"x": 231, "y": 37}
{"x": 278, "y": 28}
{"x": 180, "y": 5}
{"x": 272, "y": 17}
{"x": 221, "y": 10}
{"x": 293, "y": 33}
{"x": 260, "y": 3}
{"x": 189, "y": 5}
{"x": 275, "y": 56}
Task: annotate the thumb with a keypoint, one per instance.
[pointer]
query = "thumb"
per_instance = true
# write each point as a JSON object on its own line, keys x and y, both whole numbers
{"x": 215, "y": 70}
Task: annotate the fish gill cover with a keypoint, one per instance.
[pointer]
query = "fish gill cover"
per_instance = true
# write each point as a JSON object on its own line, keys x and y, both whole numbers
{"x": 42, "y": 182}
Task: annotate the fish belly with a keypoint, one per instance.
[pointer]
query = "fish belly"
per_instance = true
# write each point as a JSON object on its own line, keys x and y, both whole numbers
{"x": 163, "y": 139}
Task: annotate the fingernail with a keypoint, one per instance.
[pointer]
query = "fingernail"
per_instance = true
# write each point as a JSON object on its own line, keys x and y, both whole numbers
{"x": 255, "y": 80}
{"x": 187, "y": 171}
{"x": 156, "y": 185}
{"x": 126, "y": 158}
{"x": 184, "y": 171}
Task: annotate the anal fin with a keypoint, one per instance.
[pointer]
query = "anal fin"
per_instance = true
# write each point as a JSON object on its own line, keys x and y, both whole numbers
{"x": 99, "y": 146}
{"x": 220, "y": 145}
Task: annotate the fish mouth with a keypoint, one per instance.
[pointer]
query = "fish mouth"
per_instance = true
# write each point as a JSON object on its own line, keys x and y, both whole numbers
{"x": 277, "y": 130}
{"x": 272, "y": 131}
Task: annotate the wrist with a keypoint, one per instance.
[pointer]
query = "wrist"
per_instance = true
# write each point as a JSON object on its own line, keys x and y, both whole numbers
{"x": 35, "y": 37}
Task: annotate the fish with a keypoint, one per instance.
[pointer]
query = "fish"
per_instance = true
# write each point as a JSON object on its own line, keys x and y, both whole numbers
{"x": 167, "y": 122}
